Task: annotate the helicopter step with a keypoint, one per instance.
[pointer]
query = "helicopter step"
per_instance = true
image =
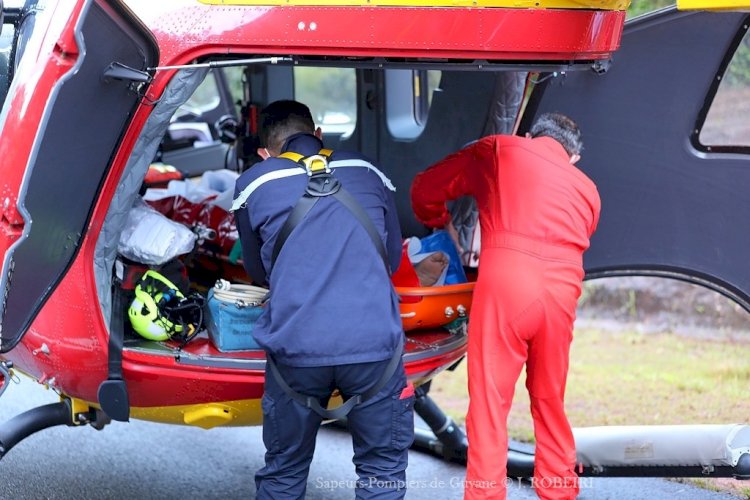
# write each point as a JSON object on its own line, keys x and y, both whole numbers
{"x": 611, "y": 451}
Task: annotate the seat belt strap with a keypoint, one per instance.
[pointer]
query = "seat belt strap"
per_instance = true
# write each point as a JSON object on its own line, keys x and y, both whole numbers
{"x": 342, "y": 410}
{"x": 117, "y": 336}
{"x": 113, "y": 392}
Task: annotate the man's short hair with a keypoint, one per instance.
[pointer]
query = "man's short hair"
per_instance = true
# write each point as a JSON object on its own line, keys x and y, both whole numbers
{"x": 282, "y": 119}
{"x": 561, "y": 128}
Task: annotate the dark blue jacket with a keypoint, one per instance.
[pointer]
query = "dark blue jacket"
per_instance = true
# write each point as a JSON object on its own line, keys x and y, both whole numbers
{"x": 332, "y": 301}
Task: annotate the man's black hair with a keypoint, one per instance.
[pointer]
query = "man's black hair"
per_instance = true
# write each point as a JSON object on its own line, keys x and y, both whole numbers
{"x": 282, "y": 119}
{"x": 561, "y": 128}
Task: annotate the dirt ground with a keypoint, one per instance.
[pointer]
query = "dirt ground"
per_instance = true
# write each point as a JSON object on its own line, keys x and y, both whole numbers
{"x": 662, "y": 305}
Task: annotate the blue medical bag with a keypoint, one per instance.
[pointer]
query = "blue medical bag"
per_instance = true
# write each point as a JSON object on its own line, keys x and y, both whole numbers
{"x": 230, "y": 324}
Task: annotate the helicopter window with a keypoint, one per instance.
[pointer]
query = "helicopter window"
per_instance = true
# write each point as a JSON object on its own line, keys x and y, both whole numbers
{"x": 425, "y": 85}
{"x": 331, "y": 94}
{"x": 235, "y": 82}
{"x": 726, "y": 123}
{"x": 408, "y": 96}
{"x": 205, "y": 98}
{"x": 19, "y": 20}
{"x": 6, "y": 47}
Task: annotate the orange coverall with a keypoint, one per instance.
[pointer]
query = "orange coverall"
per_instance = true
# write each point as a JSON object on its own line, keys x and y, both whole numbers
{"x": 537, "y": 212}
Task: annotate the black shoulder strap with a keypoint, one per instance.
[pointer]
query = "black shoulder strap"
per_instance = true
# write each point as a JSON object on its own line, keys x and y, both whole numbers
{"x": 356, "y": 209}
{"x": 300, "y": 210}
{"x": 321, "y": 184}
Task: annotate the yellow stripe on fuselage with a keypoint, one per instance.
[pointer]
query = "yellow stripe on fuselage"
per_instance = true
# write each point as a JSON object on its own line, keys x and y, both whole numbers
{"x": 713, "y": 4}
{"x": 514, "y": 4}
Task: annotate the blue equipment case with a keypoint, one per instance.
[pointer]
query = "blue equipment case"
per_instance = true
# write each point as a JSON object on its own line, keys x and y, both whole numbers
{"x": 230, "y": 326}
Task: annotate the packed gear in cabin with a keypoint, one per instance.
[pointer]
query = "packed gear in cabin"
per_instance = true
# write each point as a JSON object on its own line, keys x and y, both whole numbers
{"x": 160, "y": 311}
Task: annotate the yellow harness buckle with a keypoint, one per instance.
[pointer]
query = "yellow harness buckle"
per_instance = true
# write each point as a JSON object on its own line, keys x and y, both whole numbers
{"x": 316, "y": 164}
{"x": 313, "y": 164}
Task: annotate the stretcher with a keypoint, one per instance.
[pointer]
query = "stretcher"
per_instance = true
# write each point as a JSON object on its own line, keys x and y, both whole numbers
{"x": 434, "y": 306}
{"x": 217, "y": 255}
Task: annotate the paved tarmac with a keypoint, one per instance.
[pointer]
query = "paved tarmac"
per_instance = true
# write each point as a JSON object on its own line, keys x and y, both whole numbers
{"x": 154, "y": 461}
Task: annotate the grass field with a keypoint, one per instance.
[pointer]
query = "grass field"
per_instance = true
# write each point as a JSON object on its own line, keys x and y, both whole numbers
{"x": 627, "y": 378}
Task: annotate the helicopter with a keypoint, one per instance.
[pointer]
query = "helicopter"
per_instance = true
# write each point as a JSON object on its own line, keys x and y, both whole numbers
{"x": 92, "y": 88}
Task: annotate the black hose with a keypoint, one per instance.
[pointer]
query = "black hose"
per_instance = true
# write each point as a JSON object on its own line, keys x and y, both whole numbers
{"x": 451, "y": 440}
{"x": 520, "y": 461}
{"x": 34, "y": 420}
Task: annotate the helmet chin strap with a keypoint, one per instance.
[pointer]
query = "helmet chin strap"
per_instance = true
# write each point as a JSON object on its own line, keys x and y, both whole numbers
{"x": 188, "y": 313}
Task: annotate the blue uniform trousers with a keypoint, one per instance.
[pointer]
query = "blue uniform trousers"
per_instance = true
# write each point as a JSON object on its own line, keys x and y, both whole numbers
{"x": 382, "y": 430}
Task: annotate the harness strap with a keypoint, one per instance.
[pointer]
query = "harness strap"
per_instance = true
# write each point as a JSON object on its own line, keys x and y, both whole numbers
{"x": 289, "y": 155}
{"x": 320, "y": 184}
{"x": 297, "y": 158}
{"x": 349, "y": 202}
{"x": 300, "y": 210}
{"x": 343, "y": 410}
{"x": 241, "y": 199}
{"x": 303, "y": 207}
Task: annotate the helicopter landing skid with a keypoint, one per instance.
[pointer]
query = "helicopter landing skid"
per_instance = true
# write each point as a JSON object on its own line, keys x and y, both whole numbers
{"x": 668, "y": 451}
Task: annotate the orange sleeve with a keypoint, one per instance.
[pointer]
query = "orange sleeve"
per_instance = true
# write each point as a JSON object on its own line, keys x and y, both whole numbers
{"x": 447, "y": 180}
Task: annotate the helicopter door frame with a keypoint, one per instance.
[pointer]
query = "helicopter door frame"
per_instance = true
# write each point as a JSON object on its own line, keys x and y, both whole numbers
{"x": 74, "y": 94}
{"x": 669, "y": 208}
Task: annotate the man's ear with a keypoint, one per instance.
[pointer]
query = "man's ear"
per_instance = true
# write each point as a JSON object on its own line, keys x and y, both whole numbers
{"x": 574, "y": 159}
{"x": 319, "y": 133}
{"x": 263, "y": 153}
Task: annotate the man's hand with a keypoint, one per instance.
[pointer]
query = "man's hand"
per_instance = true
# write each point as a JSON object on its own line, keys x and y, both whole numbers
{"x": 454, "y": 236}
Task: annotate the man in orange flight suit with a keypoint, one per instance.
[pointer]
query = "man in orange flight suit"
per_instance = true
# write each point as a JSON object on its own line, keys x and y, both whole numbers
{"x": 537, "y": 212}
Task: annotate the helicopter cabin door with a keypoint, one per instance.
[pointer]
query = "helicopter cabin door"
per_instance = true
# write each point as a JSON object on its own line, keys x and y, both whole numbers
{"x": 667, "y": 141}
{"x": 76, "y": 71}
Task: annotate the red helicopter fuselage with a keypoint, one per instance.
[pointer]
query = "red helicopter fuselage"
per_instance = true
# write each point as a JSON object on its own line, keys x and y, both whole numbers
{"x": 63, "y": 340}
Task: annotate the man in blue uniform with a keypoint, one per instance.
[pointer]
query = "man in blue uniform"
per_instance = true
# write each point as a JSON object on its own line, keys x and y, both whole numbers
{"x": 333, "y": 319}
